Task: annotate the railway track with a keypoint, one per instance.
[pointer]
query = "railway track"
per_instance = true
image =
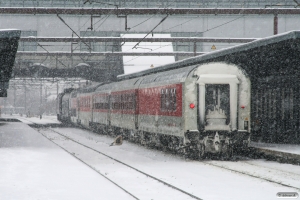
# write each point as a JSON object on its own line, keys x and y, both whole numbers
{"x": 238, "y": 167}
{"x": 288, "y": 172}
{"x": 254, "y": 174}
{"x": 133, "y": 171}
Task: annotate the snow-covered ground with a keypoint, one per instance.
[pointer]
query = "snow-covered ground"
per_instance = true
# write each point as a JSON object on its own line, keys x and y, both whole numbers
{"x": 202, "y": 179}
{"x": 31, "y": 167}
{"x": 133, "y": 181}
{"x": 34, "y": 168}
{"x": 37, "y": 120}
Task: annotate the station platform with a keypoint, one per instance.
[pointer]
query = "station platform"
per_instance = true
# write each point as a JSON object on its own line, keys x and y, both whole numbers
{"x": 32, "y": 167}
{"x": 288, "y": 153}
{"x": 45, "y": 120}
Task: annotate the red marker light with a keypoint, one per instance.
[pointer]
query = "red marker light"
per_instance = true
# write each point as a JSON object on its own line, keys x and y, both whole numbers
{"x": 243, "y": 107}
{"x": 192, "y": 105}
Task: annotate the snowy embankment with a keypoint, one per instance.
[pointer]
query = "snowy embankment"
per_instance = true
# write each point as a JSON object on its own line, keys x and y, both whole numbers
{"x": 202, "y": 179}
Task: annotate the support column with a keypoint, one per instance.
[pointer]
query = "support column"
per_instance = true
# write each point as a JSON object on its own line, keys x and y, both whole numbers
{"x": 57, "y": 96}
{"x": 25, "y": 102}
{"x": 275, "y": 24}
{"x": 41, "y": 98}
{"x": 15, "y": 94}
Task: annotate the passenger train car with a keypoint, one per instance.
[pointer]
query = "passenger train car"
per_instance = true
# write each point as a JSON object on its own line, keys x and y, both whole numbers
{"x": 195, "y": 110}
{"x": 208, "y": 103}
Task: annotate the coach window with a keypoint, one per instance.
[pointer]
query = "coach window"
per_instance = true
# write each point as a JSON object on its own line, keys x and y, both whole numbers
{"x": 116, "y": 102}
{"x": 106, "y": 105}
{"x": 119, "y": 99}
{"x": 125, "y": 101}
{"x": 113, "y": 100}
{"x": 132, "y": 100}
{"x": 162, "y": 99}
{"x": 122, "y": 99}
{"x": 168, "y": 99}
{"x": 94, "y": 104}
{"x": 173, "y": 99}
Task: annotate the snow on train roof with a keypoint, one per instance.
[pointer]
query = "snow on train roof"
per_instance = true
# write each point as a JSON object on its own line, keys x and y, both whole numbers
{"x": 168, "y": 76}
{"x": 202, "y": 58}
{"x": 90, "y": 88}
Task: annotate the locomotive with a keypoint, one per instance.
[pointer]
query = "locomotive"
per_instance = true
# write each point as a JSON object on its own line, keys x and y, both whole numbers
{"x": 194, "y": 110}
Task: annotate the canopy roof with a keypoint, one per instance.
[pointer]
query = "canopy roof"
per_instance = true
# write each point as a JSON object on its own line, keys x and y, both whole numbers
{"x": 271, "y": 56}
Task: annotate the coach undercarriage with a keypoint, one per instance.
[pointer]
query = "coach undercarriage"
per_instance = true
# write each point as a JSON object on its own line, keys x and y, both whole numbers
{"x": 193, "y": 145}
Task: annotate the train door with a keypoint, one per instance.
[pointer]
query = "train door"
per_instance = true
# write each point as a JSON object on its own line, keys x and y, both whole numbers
{"x": 218, "y": 98}
{"x": 217, "y": 106}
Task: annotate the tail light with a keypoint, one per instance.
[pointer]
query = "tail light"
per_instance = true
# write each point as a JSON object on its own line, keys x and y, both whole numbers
{"x": 192, "y": 106}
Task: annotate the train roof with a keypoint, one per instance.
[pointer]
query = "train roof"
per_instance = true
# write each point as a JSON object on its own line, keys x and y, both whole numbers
{"x": 177, "y": 75}
{"x": 106, "y": 86}
{"x": 235, "y": 55}
{"x": 89, "y": 89}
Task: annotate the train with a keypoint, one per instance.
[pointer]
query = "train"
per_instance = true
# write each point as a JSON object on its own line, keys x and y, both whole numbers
{"x": 196, "y": 110}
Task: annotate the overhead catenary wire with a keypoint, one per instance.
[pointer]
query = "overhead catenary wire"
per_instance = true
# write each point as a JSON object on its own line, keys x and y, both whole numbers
{"x": 192, "y": 36}
{"x": 180, "y": 24}
{"x": 108, "y": 15}
{"x": 45, "y": 50}
{"x": 103, "y": 19}
{"x": 84, "y": 60}
{"x": 140, "y": 23}
{"x": 80, "y": 28}
{"x": 161, "y": 21}
{"x": 150, "y": 17}
{"x": 61, "y": 19}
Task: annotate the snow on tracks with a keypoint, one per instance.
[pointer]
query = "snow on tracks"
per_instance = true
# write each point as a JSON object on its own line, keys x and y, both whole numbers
{"x": 138, "y": 184}
{"x": 198, "y": 178}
